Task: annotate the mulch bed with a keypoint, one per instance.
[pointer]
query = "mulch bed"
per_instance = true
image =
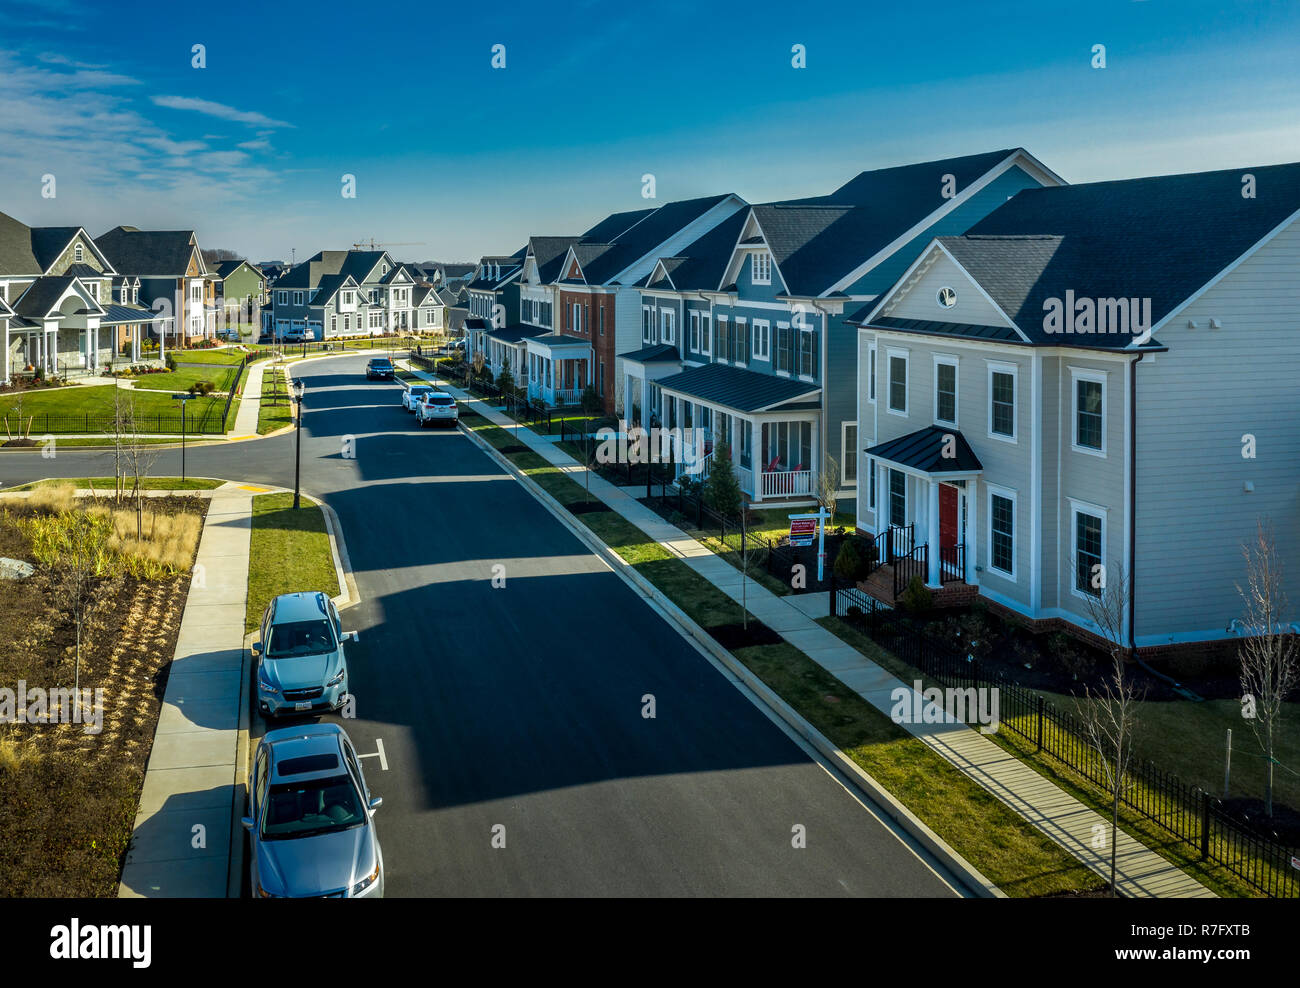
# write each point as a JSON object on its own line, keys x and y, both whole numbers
{"x": 70, "y": 802}
{"x": 27, "y": 443}
{"x": 734, "y": 636}
{"x": 1285, "y": 821}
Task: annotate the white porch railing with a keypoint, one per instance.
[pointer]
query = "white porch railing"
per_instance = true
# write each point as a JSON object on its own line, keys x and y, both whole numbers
{"x": 787, "y": 483}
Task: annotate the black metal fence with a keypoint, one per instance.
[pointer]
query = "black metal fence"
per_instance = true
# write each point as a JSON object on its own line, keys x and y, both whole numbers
{"x": 1190, "y": 814}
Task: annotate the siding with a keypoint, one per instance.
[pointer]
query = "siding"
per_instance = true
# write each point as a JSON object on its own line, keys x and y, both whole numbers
{"x": 1194, "y": 404}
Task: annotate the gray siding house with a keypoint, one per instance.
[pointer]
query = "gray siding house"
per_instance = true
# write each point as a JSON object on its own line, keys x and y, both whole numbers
{"x": 1094, "y": 379}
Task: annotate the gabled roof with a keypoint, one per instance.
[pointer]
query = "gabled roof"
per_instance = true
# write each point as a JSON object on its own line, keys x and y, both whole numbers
{"x": 41, "y": 298}
{"x": 925, "y": 449}
{"x": 26, "y": 250}
{"x": 330, "y": 285}
{"x": 425, "y": 294}
{"x": 701, "y": 265}
{"x": 615, "y": 224}
{"x": 226, "y": 268}
{"x": 149, "y": 252}
{"x": 733, "y": 387}
{"x": 1162, "y": 238}
{"x": 647, "y": 234}
{"x": 548, "y": 254}
{"x": 815, "y": 242}
{"x": 506, "y": 268}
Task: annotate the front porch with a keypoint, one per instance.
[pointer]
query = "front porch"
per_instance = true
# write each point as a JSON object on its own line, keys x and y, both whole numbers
{"x": 558, "y": 369}
{"x": 770, "y": 425}
{"x": 899, "y": 558}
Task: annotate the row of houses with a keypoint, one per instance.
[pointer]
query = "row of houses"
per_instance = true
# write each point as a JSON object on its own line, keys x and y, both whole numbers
{"x": 341, "y": 293}
{"x": 71, "y": 303}
{"x": 1025, "y": 382}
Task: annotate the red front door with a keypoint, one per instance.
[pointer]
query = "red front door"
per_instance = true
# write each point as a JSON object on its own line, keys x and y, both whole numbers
{"x": 947, "y": 516}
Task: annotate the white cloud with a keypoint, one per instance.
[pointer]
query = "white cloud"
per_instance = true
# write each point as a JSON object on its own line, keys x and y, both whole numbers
{"x": 219, "y": 110}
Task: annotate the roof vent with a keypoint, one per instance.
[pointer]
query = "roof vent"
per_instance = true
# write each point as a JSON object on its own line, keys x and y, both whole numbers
{"x": 1191, "y": 324}
{"x": 1215, "y": 324}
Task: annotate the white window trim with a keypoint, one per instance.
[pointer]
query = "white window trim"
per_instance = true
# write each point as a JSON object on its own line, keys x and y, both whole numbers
{"x": 996, "y": 367}
{"x": 871, "y": 373}
{"x": 706, "y": 333}
{"x": 847, "y": 454}
{"x": 297, "y": 298}
{"x": 906, "y": 355}
{"x": 888, "y": 492}
{"x": 991, "y": 491}
{"x": 738, "y": 324}
{"x": 753, "y": 268}
{"x": 647, "y": 324}
{"x": 872, "y": 486}
{"x": 765, "y": 352}
{"x": 722, "y": 358}
{"x": 798, "y": 353}
{"x": 1078, "y": 507}
{"x": 947, "y": 360}
{"x": 667, "y": 331}
{"x": 1099, "y": 377}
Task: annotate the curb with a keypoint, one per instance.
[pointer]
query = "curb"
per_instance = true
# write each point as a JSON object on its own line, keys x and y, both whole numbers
{"x": 962, "y": 869}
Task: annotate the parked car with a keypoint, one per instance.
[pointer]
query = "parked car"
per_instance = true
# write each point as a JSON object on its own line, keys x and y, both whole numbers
{"x": 266, "y": 338}
{"x": 380, "y": 369}
{"x": 437, "y": 406}
{"x": 411, "y": 395}
{"x": 301, "y": 667}
{"x": 295, "y": 336}
{"x": 311, "y": 818}
{"x": 228, "y": 335}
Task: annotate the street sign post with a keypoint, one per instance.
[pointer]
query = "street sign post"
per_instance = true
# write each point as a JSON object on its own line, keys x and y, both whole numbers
{"x": 183, "y": 399}
{"x": 801, "y": 533}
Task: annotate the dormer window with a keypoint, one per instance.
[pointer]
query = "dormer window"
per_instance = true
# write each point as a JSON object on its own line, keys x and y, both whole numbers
{"x": 77, "y": 254}
{"x": 761, "y": 268}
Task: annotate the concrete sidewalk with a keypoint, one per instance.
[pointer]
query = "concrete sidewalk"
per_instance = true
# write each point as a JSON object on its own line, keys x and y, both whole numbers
{"x": 1071, "y": 824}
{"x": 183, "y": 827}
{"x": 251, "y": 402}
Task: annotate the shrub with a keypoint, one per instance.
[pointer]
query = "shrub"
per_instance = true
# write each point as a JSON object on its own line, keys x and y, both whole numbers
{"x": 677, "y": 518}
{"x": 1068, "y": 657}
{"x": 591, "y": 403}
{"x": 856, "y": 559}
{"x": 917, "y": 599}
{"x": 721, "y": 490}
{"x": 202, "y": 388}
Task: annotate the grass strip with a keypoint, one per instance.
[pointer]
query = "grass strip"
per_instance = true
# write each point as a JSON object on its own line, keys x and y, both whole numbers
{"x": 289, "y": 552}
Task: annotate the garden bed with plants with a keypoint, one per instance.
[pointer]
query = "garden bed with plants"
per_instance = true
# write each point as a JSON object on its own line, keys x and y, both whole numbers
{"x": 70, "y": 797}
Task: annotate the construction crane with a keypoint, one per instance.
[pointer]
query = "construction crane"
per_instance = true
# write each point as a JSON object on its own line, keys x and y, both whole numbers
{"x": 374, "y": 243}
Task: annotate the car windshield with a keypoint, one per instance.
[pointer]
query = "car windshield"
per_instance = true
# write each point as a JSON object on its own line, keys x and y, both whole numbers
{"x": 299, "y": 638}
{"x": 316, "y": 806}
{"x": 380, "y": 363}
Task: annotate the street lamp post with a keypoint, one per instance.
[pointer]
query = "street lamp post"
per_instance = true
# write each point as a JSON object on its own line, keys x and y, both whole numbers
{"x": 298, "y": 388}
{"x": 183, "y": 398}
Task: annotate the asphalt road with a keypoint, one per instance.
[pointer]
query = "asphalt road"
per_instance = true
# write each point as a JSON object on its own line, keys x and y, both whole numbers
{"x": 514, "y": 715}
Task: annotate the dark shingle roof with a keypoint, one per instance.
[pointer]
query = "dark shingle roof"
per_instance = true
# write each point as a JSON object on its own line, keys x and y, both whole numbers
{"x": 614, "y": 225}
{"x": 148, "y": 252}
{"x": 657, "y": 353}
{"x": 226, "y": 268}
{"x": 923, "y": 450}
{"x": 1160, "y": 238}
{"x": 701, "y": 265}
{"x": 41, "y": 296}
{"x": 1003, "y": 334}
{"x": 733, "y": 387}
{"x": 308, "y": 274}
{"x": 30, "y": 250}
{"x": 645, "y": 236}
{"x": 549, "y": 253}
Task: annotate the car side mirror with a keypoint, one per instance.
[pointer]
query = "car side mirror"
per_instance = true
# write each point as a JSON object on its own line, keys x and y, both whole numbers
{"x": 257, "y": 647}
{"x": 247, "y": 822}
{"x": 375, "y": 803}
{"x": 354, "y": 636}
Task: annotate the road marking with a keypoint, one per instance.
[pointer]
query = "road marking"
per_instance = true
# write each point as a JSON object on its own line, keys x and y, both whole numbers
{"x": 383, "y": 759}
{"x": 257, "y": 490}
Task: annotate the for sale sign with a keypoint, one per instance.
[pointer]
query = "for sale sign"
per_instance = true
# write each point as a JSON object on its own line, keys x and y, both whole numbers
{"x": 802, "y": 531}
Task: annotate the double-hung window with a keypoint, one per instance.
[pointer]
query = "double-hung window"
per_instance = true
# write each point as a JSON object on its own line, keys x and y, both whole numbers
{"x": 898, "y": 382}
{"x": 645, "y": 323}
{"x": 723, "y": 348}
{"x": 849, "y": 455}
{"x": 807, "y": 353}
{"x": 1089, "y": 406}
{"x": 1089, "y": 548}
{"x": 706, "y": 340}
{"x": 761, "y": 268}
{"x": 945, "y": 390}
{"x": 666, "y": 334}
{"x": 784, "y": 348}
{"x": 762, "y": 340}
{"x": 297, "y": 298}
{"x": 693, "y": 340}
{"x": 739, "y": 341}
{"x": 871, "y": 374}
{"x": 1002, "y": 401}
{"x": 897, "y": 498}
{"x": 1002, "y": 528}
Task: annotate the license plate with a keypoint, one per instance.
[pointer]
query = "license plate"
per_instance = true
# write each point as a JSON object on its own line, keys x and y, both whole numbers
{"x": 302, "y": 705}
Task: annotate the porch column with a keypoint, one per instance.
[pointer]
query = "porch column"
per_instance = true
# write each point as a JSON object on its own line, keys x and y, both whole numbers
{"x": 972, "y": 528}
{"x": 8, "y": 371}
{"x": 135, "y": 343}
{"x": 932, "y": 534}
{"x": 162, "y": 345}
{"x": 756, "y": 462}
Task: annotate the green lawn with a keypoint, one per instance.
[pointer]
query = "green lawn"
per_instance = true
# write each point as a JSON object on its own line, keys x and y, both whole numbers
{"x": 224, "y": 355}
{"x": 147, "y": 483}
{"x": 97, "y": 402}
{"x": 289, "y": 552}
{"x": 184, "y": 376}
{"x": 274, "y": 416}
{"x": 1006, "y": 848}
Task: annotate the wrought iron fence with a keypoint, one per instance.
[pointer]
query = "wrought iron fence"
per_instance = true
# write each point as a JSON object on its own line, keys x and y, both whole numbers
{"x": 1193, "y": 816}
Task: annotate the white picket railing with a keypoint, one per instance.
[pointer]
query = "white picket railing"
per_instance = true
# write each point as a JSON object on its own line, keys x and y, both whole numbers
{"x": 788, "y": 483}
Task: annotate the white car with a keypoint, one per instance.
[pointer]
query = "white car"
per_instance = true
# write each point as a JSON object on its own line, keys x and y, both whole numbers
{"x": 411, "y": 396}
{"x": 437, "y": 406}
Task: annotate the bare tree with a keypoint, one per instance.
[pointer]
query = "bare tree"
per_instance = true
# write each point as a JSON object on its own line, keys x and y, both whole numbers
{"x": 1270, "y": 657}
{"x": 81, "y": 548}
{"x": 828, "y": 483}
{"x": 118, "y": 431}
{"x": 138, "y": 458}
{"x": 1109, "y": 713}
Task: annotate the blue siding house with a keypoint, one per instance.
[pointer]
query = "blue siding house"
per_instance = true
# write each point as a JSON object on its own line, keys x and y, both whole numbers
{"x": 743, "y": 333}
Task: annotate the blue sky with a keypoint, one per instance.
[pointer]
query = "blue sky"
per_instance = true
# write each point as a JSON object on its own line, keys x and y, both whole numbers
{"x": 465, "y": 159}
